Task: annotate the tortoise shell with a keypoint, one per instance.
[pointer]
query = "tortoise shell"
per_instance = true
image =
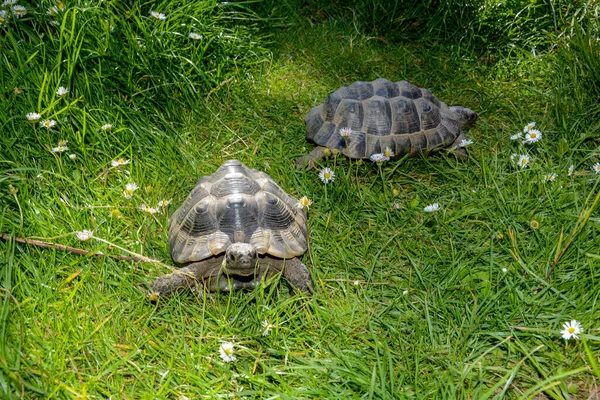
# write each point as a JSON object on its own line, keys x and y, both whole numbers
{"x": 381, "y": 114}
{"x": 237, "y": 204}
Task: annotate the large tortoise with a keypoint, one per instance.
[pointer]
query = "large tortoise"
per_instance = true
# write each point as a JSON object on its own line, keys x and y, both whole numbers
{"x": 365, "y": 118}
{"x": 236, "y": 228}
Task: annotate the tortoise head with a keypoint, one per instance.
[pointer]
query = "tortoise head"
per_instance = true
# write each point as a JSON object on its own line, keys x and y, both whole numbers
{"x": 240, "y": 259}
{"x": 465, "y": 116}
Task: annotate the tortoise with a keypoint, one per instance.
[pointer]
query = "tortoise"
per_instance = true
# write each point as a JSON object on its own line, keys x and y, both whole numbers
{"x": 235, "y": 228}
{"x": 365, "y": 118}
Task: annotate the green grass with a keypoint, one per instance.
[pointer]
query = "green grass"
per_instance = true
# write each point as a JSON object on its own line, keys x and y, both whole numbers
{"x": 407, "y": 304}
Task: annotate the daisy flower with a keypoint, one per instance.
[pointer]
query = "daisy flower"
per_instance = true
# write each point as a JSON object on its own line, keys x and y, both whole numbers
{"x": 164, "y": 203}
{"x": 61, "y": 147}
{"x": 378, "y": 157}
{"x": 266, "y": 328}
{"x": 47, "y": 123}
{"x": 33, "y": 117}
{"x": 513, "y": 156}
{"x": 504, "y": 270}
{"x": 62, "y": 91}
{"x": 9, "y": 3}
{"x": 195, "y": 36}
{"x": 304, "y": 202}
{"x": 465, "y": 143}
{"x": 158, "y": 15}
{"x": 571, "y": 170}
{"x": 84, "y": 235}
{"x": 388, "y": 152}
{"x": 115, "y": 213}
{"x": 524, "y": 160}
{"x": 516, "y": 136}
{"x": 119, "y": 162}
{"x": 52, "y": 10}
{"x": 19, "y": 11}
{"x": 226, "y": 352}
{"x": 72, "y": 156}
{"x": 143, "y": 207}
{"x": 345, "y": 132}
{"x": 106, "y": 127}
{"x": 62, "y": 143}
{"x": 432, "y": 207}
{"x": 529, "y": 127}
{"x": 326, "y": 175}
{"x": 550, "y": 177}
{"x": 152, "y": 210}
{"x": 571, "y": 330}
{"x": 532, "y": 136}
{"x": 2, "y": 17}
{"x": 129, "y": 189}
{"x": 596, "y": 168}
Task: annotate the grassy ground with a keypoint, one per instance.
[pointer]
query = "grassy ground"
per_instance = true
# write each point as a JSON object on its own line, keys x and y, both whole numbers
{"x": 466, "y": 302}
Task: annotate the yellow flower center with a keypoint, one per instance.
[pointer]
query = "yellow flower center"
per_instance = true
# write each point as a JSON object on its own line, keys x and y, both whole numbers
{"x": 129, "y": 191}
{"x": 524, "y": 161}
{"x": 387, "y": 153}
{"x": 571, "y": 330}
{"x": 228, "y": 351}
{"x": 327, "y": 175}
{"x": 533, "y": 135}
{"x": 121, "y": 161}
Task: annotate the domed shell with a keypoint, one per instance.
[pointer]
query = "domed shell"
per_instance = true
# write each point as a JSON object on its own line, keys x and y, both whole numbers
{"x": 381, "y": 114}
{"x": 237, "y": 204}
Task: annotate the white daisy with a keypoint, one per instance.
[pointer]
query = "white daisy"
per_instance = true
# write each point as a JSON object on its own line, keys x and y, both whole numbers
{"x": 62, "y": 91}
{"x": 532, "y": 136}
{"x": 529, "y": 127}
{"x": 524, "y": 160}
{"x": 516, "y": 136}
{"x": 47, "y": 123}
{"x": 195, "y": 36}
{"x": 571, "y": 170}
{"x": 465, "y": 143}
{"x": 326, "y": 175}
{"x": 52, "y": 10}
{"x": 143, "y": 207}
{"x": 158, "y": 15}
{"x": 304, "y": 202}
{"x": 2, "y": 17}
{"x": 84, "y": 235}
{"x": 504, "y": 270}
{"x": 9, "y": 3}
{"x": 378, "y": 157}
{"x": 63, "y": 142}
{"x": 513, "y": 156}
{"x": 72, "y": 156}
{"x": 388, "y": 152}
{"x": 59, "y": 149}
{"x": 226, "y": 352}
{"x": 432, "y": 207}
{"x": 345, "y": 132}
{"x": 550, "y": 177}
{"x": 19, "y": 11}
{"x": 571, "y": 329}
{"x": 152, "y": 210}
{"x": 129, "y": 189}
{"x": 119, "y": 162}
{"x": 266, "y": 328}
{"x": 164, "y": 203}
{"x": 33, "y": 117}
{"x": 596, "y": 168}
{"x": 107, "y": 127}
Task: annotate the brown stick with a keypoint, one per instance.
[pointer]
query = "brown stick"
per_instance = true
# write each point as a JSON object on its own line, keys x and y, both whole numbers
{"x": 73, "y": 249}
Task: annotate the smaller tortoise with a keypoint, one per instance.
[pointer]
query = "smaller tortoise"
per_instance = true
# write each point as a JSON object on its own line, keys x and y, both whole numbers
{"x": 236, "y": 228}
{"x": 367, "y": 117}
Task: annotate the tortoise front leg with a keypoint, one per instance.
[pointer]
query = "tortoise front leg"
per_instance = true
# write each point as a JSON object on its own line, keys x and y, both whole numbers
{"x": 188, "y": 277}
{"x": 310, "y": 160}
{"x": 298, "y": 275}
